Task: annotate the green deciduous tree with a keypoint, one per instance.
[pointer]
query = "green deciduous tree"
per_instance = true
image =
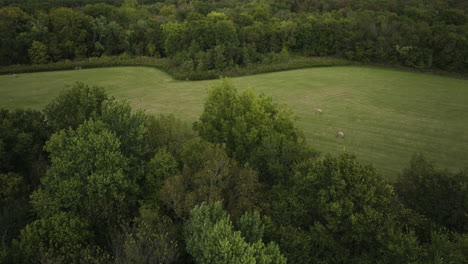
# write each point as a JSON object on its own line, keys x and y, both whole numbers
{"x": 69, "y": 27}
{"x": 255, "y": 130}
{"x": 339, "y": 210}
{"x": 446, "y": 248}
{"x": 62, "y": 237}
{"x": 74, "y": 106}
{"x": 161, "y": 167}
{"x": 130, "y": 128}
{"x": 211, "y": 238}
{"x": 13, "y": 22}
{"x": 440, "y": 195}
{"x": 166, "y": 131}
{"x": 210, "y": 175}
{"x": 86, "y": 177}
{"x": 38, "y": 53}
{"x": 174, "y": 35}
{"x": 150, "y": 238}
{"x": 251, "y": 227}
{"x": 114, "y": 40}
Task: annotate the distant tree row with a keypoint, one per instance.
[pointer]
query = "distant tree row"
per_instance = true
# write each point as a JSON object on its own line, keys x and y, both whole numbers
{"x": 200, "y": 36}
{"x": 88, "y": 180}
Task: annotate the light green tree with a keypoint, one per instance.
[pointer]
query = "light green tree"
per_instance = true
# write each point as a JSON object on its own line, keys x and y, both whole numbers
{"x": 174, "y": 37}
{"x": 162, "y": 166}
{"x": 255, "y": 131}
{"x": 38, "y": 53}
{"x": 86, "y": 176}
{"x": 211, "y": 238}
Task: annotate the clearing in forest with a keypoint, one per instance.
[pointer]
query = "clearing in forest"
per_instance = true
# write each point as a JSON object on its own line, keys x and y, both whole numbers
{"x": 385, "y": 115}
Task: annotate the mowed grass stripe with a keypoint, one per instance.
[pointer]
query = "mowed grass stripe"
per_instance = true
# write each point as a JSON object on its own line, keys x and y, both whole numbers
{"x": 386, "y": 115}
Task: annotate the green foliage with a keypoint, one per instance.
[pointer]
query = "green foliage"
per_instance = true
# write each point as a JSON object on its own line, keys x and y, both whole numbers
{"x": 209, "y": 175}
{"x": 176, "y": 72}
{"x": 415, "y": 57}
{"x": 86, "y": 176}
{"x": 251, "y": 227}
{"x": 22, "y": 136}
{"x": 11, "y": 186}
{"x": 70, "y": 31}
{"x": 74, "y": 106}
{"x": 341, "y": 211}
{"x": 130, "y": 3}
{"x": 296, "y": 245}
{"x": 440, "y": 195}
{"x": 174, "y": 41}
{"x": 203, "y": 36}
{"x": 38, "y": 53}
{"x": 162, "y": 166}
{"x": 254, "y": 129}
{"x": 320, "y": 210}
{"x": 210, "y": 238}
{"x": 4, "y": 252}
{"x": 130, "y": 128}
{"x": 166, "y": 131}
{"x": 15, "y": 214}
{"x": 63, "y": 236}
{"x": 22, "y": 163}
{"x": 98, "y": 10}
{"x": 151, "y": 238}
{"x": 13, "y": 46}
{"x": 443, "y": 249}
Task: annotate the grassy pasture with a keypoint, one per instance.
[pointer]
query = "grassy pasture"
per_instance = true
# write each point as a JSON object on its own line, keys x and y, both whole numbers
{"x": 386, "y": 115}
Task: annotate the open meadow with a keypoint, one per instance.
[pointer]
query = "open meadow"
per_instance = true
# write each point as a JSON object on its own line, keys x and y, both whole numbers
{"x": 385, "y": 115}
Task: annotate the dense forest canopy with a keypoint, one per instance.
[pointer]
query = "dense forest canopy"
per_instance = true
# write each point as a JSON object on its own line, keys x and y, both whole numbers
{"x": 201, "y": 36}
{"x": 89, "y": 180}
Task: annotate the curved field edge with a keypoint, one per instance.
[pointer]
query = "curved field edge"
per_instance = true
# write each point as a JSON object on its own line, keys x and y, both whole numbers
{"x": 164, "y": 64}
{"x": 386, "y": 115}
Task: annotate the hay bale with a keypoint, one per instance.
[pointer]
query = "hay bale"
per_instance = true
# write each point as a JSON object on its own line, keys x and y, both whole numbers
{"x": 340, "y": 135}
{"x": 318, "y": 111}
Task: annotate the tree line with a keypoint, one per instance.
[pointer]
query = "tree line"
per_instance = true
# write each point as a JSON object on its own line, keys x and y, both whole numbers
{"x": 203, "y": 36}
{"x": 89, "y": 180}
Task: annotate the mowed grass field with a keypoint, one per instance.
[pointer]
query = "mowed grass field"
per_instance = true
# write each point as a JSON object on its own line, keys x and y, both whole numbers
{"x": 386, "y": 115}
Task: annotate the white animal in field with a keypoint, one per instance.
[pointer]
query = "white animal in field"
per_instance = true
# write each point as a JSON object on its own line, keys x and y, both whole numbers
{"x": 340, "y": 135}
{"x": 318, "y": 111}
